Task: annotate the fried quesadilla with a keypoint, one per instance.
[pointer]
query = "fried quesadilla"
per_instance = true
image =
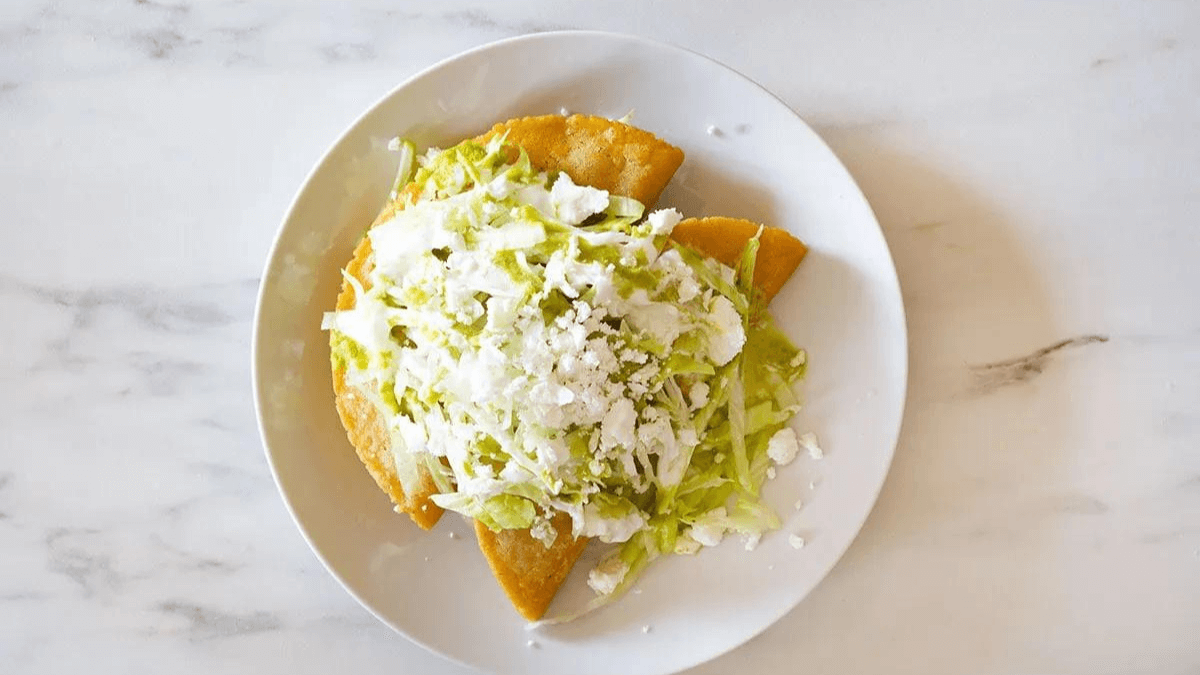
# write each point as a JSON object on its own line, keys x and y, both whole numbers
{"x": 518, "y": 341}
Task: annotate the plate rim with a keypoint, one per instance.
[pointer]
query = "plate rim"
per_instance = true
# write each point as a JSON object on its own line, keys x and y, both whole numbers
{"x": 892, "y": 279}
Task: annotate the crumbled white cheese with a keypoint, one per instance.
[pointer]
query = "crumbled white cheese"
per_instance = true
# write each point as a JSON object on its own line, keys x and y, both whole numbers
{"x": 799, "y": 359}
{"x": 782, "y": 447}
{"x": 752, "y": 541}
{"x": 537, "y": 197}
{"x": 770, "y": 473}
{"x": 574, "y": 203}
{"x": 500, "y": 187}
{"x": 708, "y": 534}
{"x": 663, "y": 221}
{"x": 798, "y": 505}
{"x": 796, "y": 541}
{"x": 634, "y": 356}
{"x": 617, "y": 429}
{"x": 726, "y": 339}
{"x": 686, "y": 545}
{"x": 606, "y": 576}
{"x": 543, "y": 531}
{"x": 710, "y": 528}
{"x": 698, "y": 395}
{"x": 646, "y": 628}
{"x": 610, "y": 530}
{"x": 660, "y": 321}
{"x": 678, "y": 274}
{"x": 809, "y": 442}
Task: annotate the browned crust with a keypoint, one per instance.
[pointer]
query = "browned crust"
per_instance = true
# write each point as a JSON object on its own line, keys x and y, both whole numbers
{"x": 724, "y": 238}
{"x": 530, "y": 573}
{"x": 596, "y": 151}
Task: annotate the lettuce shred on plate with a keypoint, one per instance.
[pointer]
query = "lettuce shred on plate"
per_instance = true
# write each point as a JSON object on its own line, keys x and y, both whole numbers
{"x": 540, "y": 347}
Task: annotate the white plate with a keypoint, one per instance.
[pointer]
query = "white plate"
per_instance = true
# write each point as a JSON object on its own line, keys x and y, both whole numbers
{"x": 843, "y": 304}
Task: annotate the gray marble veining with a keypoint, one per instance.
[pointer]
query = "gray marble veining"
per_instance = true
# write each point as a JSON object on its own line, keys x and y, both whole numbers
{"x": 1033, "y": 168}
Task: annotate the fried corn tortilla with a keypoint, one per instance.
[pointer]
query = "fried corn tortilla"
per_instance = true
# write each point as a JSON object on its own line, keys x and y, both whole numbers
{"x": 724, "y": 238}
{"x": 530, "y": 573}
{"x": 596, "y": 151}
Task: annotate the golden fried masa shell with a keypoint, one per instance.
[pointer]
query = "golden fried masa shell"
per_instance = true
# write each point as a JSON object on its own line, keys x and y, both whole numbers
{"x": 724, "y": 238}
{"x": 596, "y": 151}
{"x": 530, "y": 573}
{"x": 364, "y": 426}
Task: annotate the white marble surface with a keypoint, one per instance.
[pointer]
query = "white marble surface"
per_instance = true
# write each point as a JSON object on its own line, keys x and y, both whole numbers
{"x": 1036, "y": 168}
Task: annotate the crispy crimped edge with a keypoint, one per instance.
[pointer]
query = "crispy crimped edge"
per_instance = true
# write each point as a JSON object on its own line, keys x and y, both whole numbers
{"x": 530, "y": 584}
{"x": 723, "y": 239}
{"x": 596, "y": 151}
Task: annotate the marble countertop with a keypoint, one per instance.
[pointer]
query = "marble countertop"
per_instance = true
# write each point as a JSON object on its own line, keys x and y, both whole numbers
{"x": 1034, "y": 166}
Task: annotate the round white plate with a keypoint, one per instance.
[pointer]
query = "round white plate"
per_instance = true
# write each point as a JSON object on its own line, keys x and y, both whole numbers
{"x": 843, "y": 304}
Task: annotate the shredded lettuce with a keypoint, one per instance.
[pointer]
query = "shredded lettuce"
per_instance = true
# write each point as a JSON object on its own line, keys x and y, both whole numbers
{"x": 534, "y": 358}
{"x": 407, "y": 164}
